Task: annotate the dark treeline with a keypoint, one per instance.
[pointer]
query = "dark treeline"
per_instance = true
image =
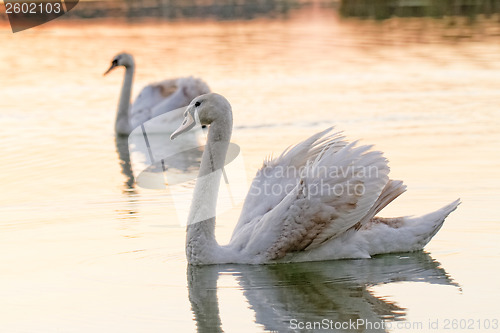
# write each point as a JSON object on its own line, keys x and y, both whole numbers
{"x": 174, "y": 9}
{"x": 384, "y": 9}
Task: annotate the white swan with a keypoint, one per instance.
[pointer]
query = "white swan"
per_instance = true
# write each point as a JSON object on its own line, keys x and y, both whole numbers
{"x": 330, "y": 193}
{"x": 154, "y": 99}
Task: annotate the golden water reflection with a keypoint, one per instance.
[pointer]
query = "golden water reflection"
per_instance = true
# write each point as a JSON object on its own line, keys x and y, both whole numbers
{"x": 84, "y": 249}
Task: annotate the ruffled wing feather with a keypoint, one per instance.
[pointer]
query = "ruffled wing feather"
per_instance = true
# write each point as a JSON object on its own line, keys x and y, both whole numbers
{"x": 337, "y": 185}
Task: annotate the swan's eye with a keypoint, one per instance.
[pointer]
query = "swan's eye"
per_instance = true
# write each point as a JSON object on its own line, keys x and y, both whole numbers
{"x": 197, "y": 104}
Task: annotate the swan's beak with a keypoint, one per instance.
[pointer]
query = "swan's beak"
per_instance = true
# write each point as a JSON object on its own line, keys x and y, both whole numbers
{"x": 186, "y": 125}
{"x": 114, "y": 64}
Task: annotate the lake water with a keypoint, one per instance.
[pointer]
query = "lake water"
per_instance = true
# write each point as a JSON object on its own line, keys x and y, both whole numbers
{"x": 84, "y": 249}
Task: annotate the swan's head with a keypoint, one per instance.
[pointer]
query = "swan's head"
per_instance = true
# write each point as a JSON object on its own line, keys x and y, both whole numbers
{"x": 205, "y": 109}
{"x": 122, "y": 59}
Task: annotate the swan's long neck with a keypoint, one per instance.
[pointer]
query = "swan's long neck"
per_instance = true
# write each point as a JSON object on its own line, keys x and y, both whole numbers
{"x": 122, "y": 125}
{"x": 201, "y": 246}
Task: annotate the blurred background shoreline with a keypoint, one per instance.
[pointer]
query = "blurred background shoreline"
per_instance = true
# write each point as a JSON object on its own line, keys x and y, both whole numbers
{"x": 472, "y": 10}
{"x": 418, "y": 21}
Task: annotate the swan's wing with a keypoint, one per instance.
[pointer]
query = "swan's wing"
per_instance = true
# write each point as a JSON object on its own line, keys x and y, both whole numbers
{"x": 162, "y": 98}
{"x": 180, "y": 91}
{"x": 180, "y": 94}
{"x": 333, "y": 193}
{"x": 192, "y": 87}
{"x": 153, "y": 94}
{"x": 150, "y": 97}
{"x": 283, "y": 172}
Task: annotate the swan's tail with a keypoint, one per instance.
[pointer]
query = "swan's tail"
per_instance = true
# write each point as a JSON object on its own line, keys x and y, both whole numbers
{"x": 404, "y": 234}
{"x": 428, "y": 225}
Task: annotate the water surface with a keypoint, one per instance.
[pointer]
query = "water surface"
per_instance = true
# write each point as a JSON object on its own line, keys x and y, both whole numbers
{"x": 84, "y": 249}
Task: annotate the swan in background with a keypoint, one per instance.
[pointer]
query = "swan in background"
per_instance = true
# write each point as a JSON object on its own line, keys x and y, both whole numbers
{"x": 324, "y": 198}
{"x": 154, "y": 99}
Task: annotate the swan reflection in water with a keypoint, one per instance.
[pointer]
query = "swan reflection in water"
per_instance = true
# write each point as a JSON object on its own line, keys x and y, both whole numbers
{"x": 125, "y": 165}
{"x": 180, "y": 160}
{"x": 312, "y": 291}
